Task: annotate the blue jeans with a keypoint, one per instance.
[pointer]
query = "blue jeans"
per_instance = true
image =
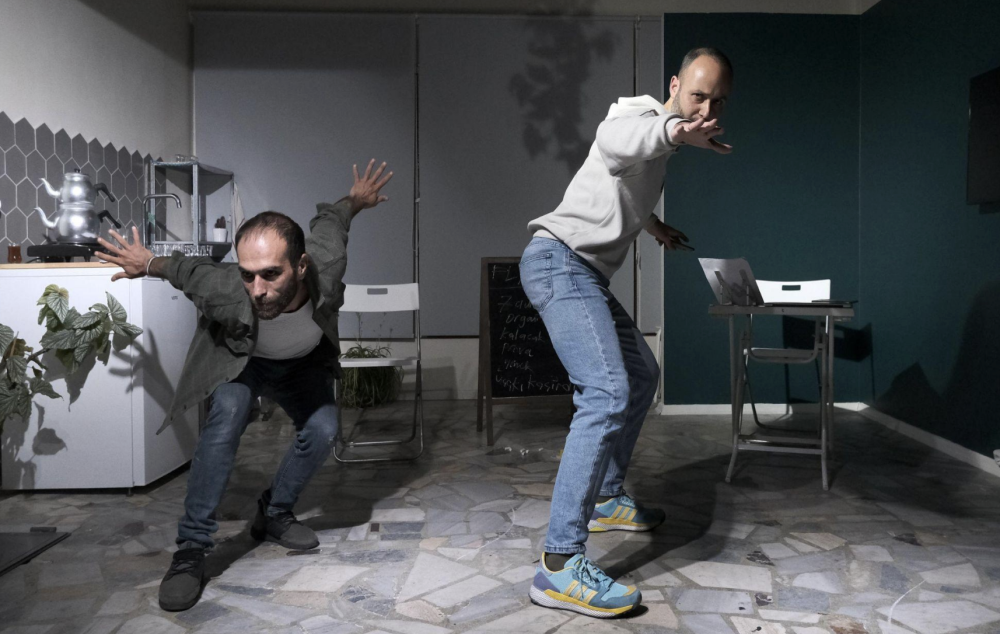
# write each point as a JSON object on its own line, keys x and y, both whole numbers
{"x": 304, "y": 389}
{"x": 615, "y": 375}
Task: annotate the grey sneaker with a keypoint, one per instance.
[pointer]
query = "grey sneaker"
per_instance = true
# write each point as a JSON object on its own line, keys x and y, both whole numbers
{"x": 182, "y": 584}
{"x": 282, "y": 529}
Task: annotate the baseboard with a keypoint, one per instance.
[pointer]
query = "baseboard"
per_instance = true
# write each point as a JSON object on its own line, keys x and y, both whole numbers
{"x": 770, "y": 409}
{"x": 956, "y": 451}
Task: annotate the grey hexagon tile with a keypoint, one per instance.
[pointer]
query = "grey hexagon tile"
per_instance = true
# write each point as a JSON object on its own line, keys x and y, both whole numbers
{"x": 6, "y": 132}
{"x": 136, "y": 163}
{"x": 131, "y": 186}
{"x": 15, "y": 166}
{"x": 17, "y": 226}
{"x": 45, "y": 141}
{"x": 8, "y": 194}
{"x": 80, "y": 151}
{"x": 117, "y": 184}
{"x": 24, "y": 136}
{"x": 54, "y": 171}
{"x": 124, "y": 160}
{"x": 27, "y": 196}
{"x": 110, "y": 157}
{"x": 104, "y": 176}
{"x": 70, "y": 166}
{"x": 3, "y": 162}
{"x": 95, "y": 153}
{"x": 4, "y": 243}
{"x": 64, "y": 146}
{"x": 36, "y": 167}
{"x": 89, "y": 171}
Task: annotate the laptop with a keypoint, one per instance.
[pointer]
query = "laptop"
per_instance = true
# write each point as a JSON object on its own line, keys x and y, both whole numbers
{"x": 733, "y": 283}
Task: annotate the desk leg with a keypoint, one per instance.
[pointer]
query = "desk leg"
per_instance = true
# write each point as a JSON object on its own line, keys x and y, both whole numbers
{"x": 824, "y": 410}
{"x": 829, "y": 377}
{"x": 733, "y": 369}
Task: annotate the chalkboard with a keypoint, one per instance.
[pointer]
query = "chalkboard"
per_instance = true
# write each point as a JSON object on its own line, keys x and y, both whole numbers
{"x": 516, "y": 358}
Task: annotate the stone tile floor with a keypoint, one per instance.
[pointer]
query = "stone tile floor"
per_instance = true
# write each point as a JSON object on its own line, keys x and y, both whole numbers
{"x": 449, "y": 543}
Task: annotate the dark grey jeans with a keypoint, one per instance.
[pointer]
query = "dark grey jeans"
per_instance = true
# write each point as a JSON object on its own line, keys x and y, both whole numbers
{"x": 304, "y": 389}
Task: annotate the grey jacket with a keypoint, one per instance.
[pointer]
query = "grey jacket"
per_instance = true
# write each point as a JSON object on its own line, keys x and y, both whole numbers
{"x": 227, "y": 327}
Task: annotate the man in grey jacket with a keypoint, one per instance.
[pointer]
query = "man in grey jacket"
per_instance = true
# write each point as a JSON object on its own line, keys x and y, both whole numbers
{"x": 266, "y": 326}
{"x": 565, "y": 272}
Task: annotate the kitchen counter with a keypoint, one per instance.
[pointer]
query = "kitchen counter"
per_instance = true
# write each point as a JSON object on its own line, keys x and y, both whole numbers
{"x": 102, "y": 432}
{"x": 59, "y": 265}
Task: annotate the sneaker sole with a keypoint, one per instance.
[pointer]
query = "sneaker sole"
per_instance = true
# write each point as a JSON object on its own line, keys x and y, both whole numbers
{"x": 599, "y": 527}
{"x": 266, "y": 537}
{"x": 538, "y": 597}
{"x": 180, "y": 607}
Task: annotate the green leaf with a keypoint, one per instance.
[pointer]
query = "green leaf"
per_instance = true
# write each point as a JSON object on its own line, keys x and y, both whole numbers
{"x": 88, "y": 319}
{"x": 127, "y": 330}
{"x": 17, "y": 367}
{"x": 117, "y": 311}
{"x": 6, "y": 338}
{"x": 104, "y": 352}
{"x": 66, "y": 358}
{"x": 120, "y": 341}
{"x": 24, "y": 403}
{"x": 59, "y": 339}
{"x": 89, "y": 335}
{"x": 8, "y": 401}
{"x": 58, "y": 304}
{"x": 38, "y": 385}
{"x": 100, "y": 308}
{"x": 80, "y": 353}
{"x": 72, "y": 315}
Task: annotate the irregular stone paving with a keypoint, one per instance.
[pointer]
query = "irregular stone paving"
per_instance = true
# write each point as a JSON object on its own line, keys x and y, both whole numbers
{"x": 449, "y": 543}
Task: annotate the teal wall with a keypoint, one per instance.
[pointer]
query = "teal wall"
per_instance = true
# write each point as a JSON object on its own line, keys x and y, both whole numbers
{"x": 850, "y": 163}
{"x": 786, "y": 198}
{"x": 930, "y": 264}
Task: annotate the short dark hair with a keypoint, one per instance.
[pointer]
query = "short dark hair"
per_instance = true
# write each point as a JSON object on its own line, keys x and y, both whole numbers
{"x": 286, "y": 228}
{"x": 714, "y": 53}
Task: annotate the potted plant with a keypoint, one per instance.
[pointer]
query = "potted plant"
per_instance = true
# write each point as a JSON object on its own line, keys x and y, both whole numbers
{"x": 368, "y": 387}
{"x": 219, "y": 231}
{"x": 70, "y": 335}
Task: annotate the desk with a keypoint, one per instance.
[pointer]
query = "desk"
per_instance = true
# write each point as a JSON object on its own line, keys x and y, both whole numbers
{"x": 738, "y": 346}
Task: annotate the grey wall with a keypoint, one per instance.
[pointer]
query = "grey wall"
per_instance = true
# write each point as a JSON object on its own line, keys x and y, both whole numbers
{"x": 288, "y": 102}
{"x": 503, "y": 127}
{"x": 786, "y": 198}
{"x": 930, "y": 287}
{"x": 508, "y": 108}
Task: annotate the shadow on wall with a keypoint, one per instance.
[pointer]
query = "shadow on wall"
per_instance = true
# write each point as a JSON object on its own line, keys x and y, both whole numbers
{"x": 550, "y": 92}
{"x": 163, "y": 25}
{"x": 966, "y": 412}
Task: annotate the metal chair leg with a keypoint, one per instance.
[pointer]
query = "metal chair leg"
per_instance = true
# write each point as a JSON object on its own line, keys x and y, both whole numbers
{"x": 416, "y": 432}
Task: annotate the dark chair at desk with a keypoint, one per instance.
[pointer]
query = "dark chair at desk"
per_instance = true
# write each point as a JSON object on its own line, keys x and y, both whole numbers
{"x": 774, "y": 292}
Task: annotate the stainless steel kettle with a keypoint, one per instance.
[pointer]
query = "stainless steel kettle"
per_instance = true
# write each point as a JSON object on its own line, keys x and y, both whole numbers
{"x": 75, "y": 220}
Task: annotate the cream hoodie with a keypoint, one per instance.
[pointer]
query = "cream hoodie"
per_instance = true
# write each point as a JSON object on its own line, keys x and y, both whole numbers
{"x": 611, "y": 198}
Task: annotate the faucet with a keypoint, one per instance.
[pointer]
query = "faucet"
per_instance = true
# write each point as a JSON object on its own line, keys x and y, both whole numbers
{"x": 151, "y": 215}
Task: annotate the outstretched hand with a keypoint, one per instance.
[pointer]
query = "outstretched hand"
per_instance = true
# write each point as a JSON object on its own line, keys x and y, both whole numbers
{"x": 668, "y": 237}
{"x": 133, "y": 257}
{"x": 364, "y": 193}
{"x": 700, "y": 133}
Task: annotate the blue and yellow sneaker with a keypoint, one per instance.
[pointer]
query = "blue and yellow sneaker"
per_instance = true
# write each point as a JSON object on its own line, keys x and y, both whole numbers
{"x": 623, "y": 513}
{"x": 582, "y": 587}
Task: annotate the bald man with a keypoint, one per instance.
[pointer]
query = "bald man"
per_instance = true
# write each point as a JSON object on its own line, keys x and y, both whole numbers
{"x": 566, "y": 271}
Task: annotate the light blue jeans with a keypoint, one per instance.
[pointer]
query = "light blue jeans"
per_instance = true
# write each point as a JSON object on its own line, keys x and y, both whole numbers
{"x": 615, "y": 375}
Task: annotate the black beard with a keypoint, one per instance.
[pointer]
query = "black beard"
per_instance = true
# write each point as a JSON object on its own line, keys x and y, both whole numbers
{"x": 270, "y": 309}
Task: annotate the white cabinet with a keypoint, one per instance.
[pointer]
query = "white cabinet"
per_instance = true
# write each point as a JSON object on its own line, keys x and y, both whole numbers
{"x": 102, "y": 432}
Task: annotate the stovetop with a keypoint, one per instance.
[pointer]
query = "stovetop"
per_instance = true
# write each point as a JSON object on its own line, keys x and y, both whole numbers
{"x": 62, "y": 252}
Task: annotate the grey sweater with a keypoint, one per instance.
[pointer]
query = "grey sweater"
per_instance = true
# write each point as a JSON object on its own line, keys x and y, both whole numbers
{"x": 611, "y": 198}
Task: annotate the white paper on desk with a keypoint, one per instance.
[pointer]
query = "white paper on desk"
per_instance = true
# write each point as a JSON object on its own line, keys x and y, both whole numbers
{"x": 732, "y": 281}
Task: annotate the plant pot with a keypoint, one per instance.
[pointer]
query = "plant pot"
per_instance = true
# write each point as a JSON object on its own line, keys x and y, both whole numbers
{"x": 219, "y": 235}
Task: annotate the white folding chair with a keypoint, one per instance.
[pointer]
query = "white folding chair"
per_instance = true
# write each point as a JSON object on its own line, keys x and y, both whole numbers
{"x": 774, "y": 292}
{"x": 385, "y": 299}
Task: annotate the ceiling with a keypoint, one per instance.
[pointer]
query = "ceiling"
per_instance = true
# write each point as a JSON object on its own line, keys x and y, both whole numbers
{"x": 551, "y": 7}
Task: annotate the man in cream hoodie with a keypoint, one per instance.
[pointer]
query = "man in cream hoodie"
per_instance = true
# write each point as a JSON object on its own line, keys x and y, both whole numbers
{"x": 565, "y": 272}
